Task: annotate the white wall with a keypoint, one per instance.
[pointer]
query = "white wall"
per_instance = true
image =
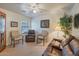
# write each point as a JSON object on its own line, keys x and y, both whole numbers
{"x": 74, "y": 11}
{"x": 12, "y": 16}
{"x": 53, "y": 18}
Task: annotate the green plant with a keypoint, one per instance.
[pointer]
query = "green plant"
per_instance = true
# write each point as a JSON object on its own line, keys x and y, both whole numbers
{"x": 65, "y": 23}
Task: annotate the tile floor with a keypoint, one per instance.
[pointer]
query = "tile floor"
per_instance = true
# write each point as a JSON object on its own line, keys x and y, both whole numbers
{"x": 27, "y": 49}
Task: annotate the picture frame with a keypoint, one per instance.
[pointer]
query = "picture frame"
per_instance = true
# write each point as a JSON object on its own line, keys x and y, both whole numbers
{"x": 45, "y": 23}
{"x": 14, "y": 24}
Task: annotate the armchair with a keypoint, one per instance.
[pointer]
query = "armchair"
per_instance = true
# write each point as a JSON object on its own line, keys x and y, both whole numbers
{"x": 30, "y": 37}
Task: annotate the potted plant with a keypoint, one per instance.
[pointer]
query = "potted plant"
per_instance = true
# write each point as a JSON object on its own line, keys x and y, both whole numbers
{"x": 66, "y": 24}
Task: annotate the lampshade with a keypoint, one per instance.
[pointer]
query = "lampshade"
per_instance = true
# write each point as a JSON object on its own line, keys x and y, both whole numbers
{"x": 57, "y": 27}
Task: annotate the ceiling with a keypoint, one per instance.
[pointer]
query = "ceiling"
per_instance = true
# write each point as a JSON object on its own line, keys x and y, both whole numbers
{"x": 26, "y": 8}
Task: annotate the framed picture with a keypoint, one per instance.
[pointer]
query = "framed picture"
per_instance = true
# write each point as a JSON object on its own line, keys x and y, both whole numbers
{"x": 44, "y": 23}
{"x": 14, "y": 24}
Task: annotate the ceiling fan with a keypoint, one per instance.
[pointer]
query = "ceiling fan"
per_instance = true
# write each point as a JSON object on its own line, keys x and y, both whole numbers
{"x": 33, "y": 7}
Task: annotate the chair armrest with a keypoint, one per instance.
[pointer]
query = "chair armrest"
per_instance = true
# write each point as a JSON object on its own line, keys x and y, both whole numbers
{"x": 58, "y": 40}
{"x": 39, "y": 35}
{"x": 57, "y": 48}
{"x": 31, "y": 34}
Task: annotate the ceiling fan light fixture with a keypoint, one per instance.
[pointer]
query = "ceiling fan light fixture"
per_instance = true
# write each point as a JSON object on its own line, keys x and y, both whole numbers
{"x": 34, "y": 11}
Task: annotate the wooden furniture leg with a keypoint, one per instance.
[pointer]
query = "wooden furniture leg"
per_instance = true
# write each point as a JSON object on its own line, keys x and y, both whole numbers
{"x": 14, "y": 43}
{"x": 37, "y": 40}
{"x": 22, "y": 40}
{"x": 43, "y": 43}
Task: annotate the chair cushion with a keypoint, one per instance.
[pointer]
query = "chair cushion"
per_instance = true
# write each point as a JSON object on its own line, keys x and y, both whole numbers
{"x": 66, "y": 51}
{"x": 18, "y": 38}
{"x": 39, "y": 36}
{"x": 56, "y": 44}
{"x": 74, "y": 44}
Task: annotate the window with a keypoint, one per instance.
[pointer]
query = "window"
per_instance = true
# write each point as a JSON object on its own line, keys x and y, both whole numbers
{"x": 24, "y": 27}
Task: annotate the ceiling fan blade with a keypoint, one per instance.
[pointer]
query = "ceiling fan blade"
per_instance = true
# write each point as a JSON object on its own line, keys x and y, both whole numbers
{"x": 42, "y": 9}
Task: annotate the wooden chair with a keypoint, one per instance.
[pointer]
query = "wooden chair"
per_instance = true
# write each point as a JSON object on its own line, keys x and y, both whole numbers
{"x": 42, "y": 36}
{"x": 15, "y": 37}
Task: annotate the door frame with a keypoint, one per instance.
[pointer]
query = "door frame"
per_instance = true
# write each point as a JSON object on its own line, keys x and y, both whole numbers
{"x": 4, "y": 15}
